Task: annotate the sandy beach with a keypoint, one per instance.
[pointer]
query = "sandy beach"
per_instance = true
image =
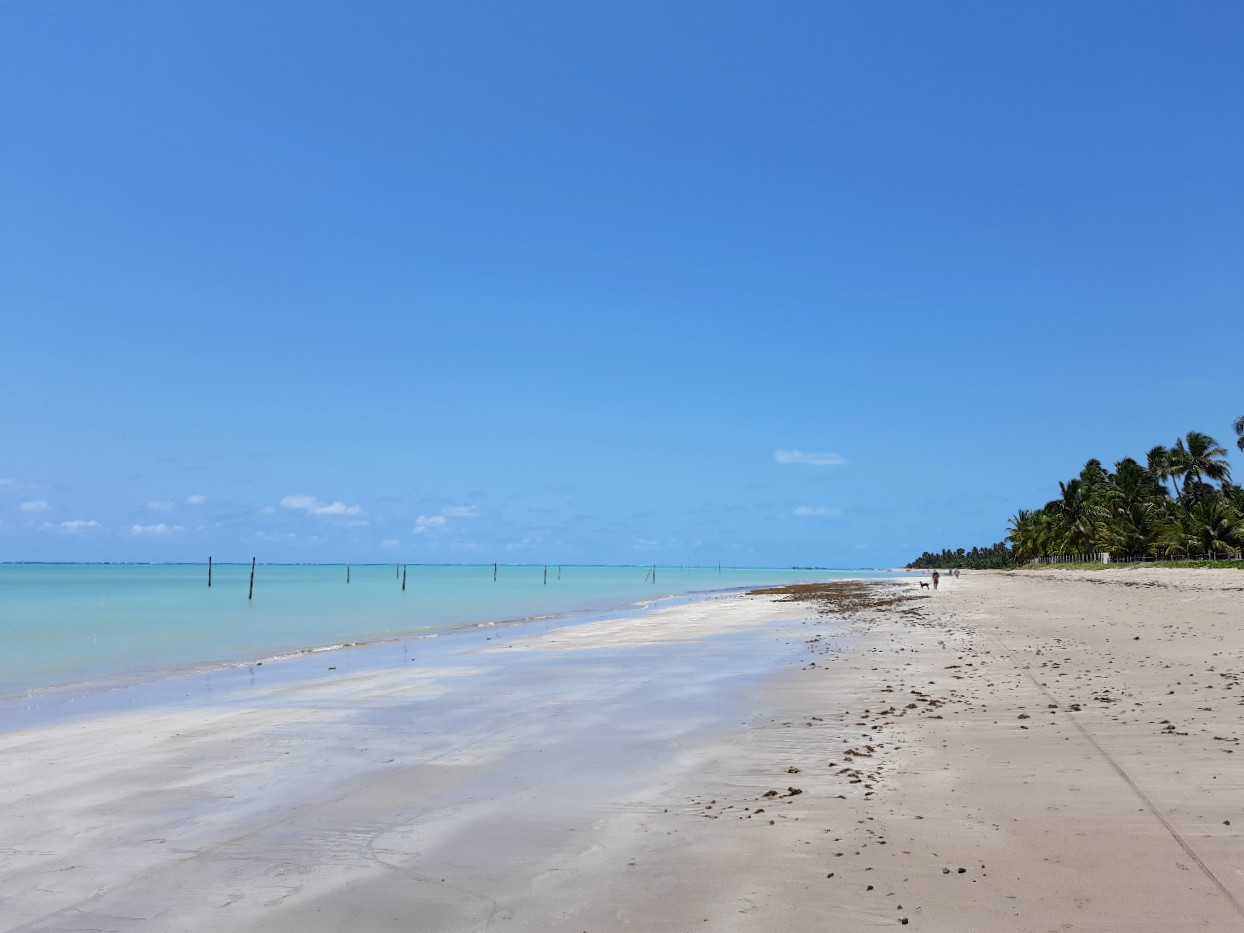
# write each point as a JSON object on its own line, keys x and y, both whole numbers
{"x": 1040, "y": 750}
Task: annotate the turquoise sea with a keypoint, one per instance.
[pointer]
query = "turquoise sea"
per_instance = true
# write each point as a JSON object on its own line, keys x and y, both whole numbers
{"x": 80, "y": 626}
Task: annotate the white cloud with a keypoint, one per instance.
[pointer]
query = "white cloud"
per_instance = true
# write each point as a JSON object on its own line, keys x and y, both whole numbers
{"x": 38, "y": 506}
{"x": 162, "y": 506}
{"x": 313, "y": 506}
{"x": 389, "y": 543}
{"x": 818, "y": 512}
{"x": 197, "y": 499}
{"x": 151, "y": 531}
{"x": 425, "y": 523}
{"x": 809, "y": 458}
{"x": 78, "y": 525}
{"x": 336, "y": 508}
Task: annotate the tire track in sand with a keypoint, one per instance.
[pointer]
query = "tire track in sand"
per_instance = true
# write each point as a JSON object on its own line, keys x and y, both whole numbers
{"x": 1118, "y": 769}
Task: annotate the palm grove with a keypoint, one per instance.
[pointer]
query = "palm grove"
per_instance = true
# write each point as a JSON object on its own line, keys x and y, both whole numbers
{"x": 1179, "y": 503}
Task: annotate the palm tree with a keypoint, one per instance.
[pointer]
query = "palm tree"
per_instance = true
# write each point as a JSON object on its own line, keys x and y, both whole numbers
{"x": 1159, "y": 459}
{"x": 1078, "y": 515}
{"x": 1172, "y": 540}
{"x": 1201, "y": 456}
{"x": 1235, "y": 495}
{"x": 1031, "y": 534}
{"x": 1022, "y": 533}
{"x": 1093, "y": 474}
{"x": 1132, "y": 529}
{"x": 1134, "y": 507}
{"x": 1239, "y": 429}
{"x": 1213, "y": 525}
{"x": 1132, "y": 483}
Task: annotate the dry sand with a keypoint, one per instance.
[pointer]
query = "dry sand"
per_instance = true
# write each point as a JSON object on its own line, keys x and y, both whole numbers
{"x": 1027, "y": 751}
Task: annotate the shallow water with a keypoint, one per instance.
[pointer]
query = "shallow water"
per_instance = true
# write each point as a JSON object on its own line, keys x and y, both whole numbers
{"x": 80, "y": 626}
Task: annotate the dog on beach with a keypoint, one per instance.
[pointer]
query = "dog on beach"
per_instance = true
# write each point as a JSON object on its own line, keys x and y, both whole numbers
{"x": 924, "y": 584}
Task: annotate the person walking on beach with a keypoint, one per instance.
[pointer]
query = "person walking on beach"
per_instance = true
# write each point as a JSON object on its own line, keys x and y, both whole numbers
{"x": 936, "y": 577}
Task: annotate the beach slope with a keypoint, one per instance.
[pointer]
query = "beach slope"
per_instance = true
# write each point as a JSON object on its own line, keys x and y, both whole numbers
{"x": 1022, "y": 751}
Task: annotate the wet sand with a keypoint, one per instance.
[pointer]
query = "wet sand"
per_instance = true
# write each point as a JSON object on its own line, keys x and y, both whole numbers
{"x": 1027, "y": 751}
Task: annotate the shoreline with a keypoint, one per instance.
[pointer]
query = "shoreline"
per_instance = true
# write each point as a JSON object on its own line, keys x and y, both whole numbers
{"x": 79, "y": 629}
{"x": 206, "y": 682}
{"x": 288, "y": 808}
{"x": 613, "y": 776}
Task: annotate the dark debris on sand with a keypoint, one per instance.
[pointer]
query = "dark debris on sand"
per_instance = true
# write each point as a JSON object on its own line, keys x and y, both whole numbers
{"x": 841, "y": 597}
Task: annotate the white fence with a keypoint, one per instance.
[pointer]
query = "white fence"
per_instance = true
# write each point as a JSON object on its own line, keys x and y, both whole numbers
{"x": 1105, "y": 557}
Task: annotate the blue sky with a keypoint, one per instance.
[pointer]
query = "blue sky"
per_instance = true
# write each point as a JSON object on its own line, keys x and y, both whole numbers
{"x": 770, "y": 284}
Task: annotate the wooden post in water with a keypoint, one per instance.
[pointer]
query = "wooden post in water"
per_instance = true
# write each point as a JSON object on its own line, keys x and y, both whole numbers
{"x": 559, "y": 572}
{"x": 546, "y": 574}
{"x": 494, "y": 573}
{"x": 403, "y": 578}
{"x": 251, "y": 594}
{"x": 347, "y": 574}
{"x": 209, "y": 571}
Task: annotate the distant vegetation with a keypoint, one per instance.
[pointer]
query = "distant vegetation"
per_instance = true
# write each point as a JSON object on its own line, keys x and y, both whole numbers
{"x": 1180, "y": 503}
{"x": 995, "y": 557}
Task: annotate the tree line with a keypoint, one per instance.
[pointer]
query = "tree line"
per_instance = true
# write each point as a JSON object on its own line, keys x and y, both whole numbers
{"x": 1180, "y": 502}
{"x": 995, "y": 557}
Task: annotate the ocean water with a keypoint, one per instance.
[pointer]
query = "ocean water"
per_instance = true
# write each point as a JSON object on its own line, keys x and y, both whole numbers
{"x": 76, "y": 625}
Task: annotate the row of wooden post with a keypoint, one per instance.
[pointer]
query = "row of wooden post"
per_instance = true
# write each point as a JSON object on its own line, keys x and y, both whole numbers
{"x": 400, "y": 571}
{"x": 250, "y": 593}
